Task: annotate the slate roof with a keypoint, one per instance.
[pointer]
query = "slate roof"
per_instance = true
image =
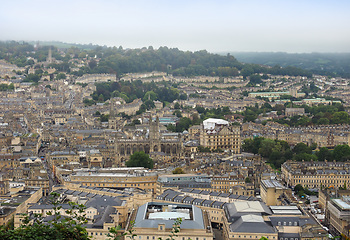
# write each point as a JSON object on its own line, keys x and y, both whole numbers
{"x": 101, "y": 202}
{"x": 236, "y": 209}
{"x": 104, "y": 217}
{"x": 188, "y": 200}
{"x": 251, "y": 224}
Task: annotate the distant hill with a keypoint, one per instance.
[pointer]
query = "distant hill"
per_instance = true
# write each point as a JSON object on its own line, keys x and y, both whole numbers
{"x": 322, "y": 63}
{"x": 64, "y": 45}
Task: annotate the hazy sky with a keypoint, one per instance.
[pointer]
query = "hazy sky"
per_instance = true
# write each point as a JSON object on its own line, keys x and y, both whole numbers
{"x": 217, "y": 25}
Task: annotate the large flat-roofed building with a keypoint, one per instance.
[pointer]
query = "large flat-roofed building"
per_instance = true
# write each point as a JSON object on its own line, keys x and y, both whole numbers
{"x": 316, "y": 174}
{"x": 114, "y": 177}
{"x": 219, "y": 134}
{"x": 338, "y": 214}
{"x": 155, "y": 220}
{"x": 177, "y": 181}
{"x": 253, "y": 220}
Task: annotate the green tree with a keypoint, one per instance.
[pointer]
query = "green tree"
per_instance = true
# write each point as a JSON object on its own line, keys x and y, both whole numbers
{"x": 171, "y": 128}
{"x": 150, "y": 95}
{"x": 340, "y": 118}
{"x": 341, "y": 152}
{"x": 266, "y": 147}
{"x": 104, "y": 118}
{"x": 61, "y": 227}
{"x": 183, "y": 124}
{"x": 140, "y": 159}
{"x": 61, "y": 76}
{"x": 302, "y": 148}
{"x": 255, "y": 79}
{"x": 324, "y": 154}
{"x": 203, "y": 149}
{"x": 298, "y": 188}
{"x": 305, "y": 156}
{"x": 92, "y": 63}
{"x": 177, "y": 113}
{"x": 177, "y": 105}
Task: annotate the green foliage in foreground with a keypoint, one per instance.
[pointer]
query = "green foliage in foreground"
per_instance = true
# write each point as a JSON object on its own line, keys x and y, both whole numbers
{"x": 69, "y": 226}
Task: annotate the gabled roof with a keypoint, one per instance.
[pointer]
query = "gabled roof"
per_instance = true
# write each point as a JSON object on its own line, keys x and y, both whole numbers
{"x": 251, "y": 224}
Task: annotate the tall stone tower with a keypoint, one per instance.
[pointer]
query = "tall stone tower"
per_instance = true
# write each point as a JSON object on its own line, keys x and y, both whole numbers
{"x": 112, "y": 120}
{"x": 154, "y": 136}
{"x": 294, "y": 92}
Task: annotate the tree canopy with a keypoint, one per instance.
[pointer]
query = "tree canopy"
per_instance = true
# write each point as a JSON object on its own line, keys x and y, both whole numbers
{"x": 140, "y": 159}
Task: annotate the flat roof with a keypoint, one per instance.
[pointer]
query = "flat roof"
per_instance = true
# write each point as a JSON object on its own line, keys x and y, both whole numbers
{"x": 168, "y": 215}
{"x": 287, "y": 212}
{"x": 284, "y": 207}
{"x": 342, "y": 204}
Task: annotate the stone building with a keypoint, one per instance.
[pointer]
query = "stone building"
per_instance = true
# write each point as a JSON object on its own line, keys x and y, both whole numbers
{"x": 152, "y": 141}
{"x": 316, "y": 174}
{"x": 218, "y": 134}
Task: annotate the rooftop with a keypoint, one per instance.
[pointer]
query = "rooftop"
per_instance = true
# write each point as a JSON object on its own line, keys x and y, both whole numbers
{"x": 151, "y": 214}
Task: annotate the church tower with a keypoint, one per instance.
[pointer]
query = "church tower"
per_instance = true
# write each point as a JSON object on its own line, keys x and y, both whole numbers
{"x": 154, "y": 136}
{"x": 112, "y": 120}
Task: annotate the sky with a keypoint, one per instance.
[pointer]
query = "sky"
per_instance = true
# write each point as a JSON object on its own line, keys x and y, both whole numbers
{"x": 293, "y": 26}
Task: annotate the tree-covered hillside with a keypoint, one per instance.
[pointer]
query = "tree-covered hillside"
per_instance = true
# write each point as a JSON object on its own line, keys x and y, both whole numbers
{"x": 333, "y": 64}
{"x": 119, "y": 61}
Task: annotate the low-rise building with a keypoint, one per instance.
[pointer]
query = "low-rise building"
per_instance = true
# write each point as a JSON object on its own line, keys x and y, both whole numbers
{"x": 155, "y": 220}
